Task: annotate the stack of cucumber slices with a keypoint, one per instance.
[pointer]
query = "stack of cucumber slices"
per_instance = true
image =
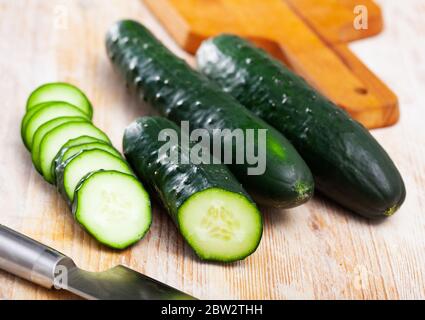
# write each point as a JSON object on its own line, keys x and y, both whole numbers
{"x": 69, "y": 151}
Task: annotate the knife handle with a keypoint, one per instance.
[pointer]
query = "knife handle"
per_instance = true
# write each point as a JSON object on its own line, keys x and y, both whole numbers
{"x": 29, "y": 259}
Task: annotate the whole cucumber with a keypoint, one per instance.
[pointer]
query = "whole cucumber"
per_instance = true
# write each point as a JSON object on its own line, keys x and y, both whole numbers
{"x": 182, "y": 94}
{"x": 348, "y": 164}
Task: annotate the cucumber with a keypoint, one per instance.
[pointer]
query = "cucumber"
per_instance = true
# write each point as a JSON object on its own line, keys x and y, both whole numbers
{"x": 33, "y": 120}
{"x": 43, "y": 130}
{"x": 57, "y": 137}
{"x": 28, "y": 116}
{"x": 180, "y": 93}
{"x": 349, "y": 165}
{"x": 60, "y": 91}
{"x": 211, "y": 209}
{"x": 69, "y": 173}
{"x": 66, "y": 152}
{"x": 81, "y": 140}
{"x": 113, "y": 207}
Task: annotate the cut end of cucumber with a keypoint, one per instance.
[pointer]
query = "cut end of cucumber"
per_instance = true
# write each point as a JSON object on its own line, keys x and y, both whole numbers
{"x": 220, "y": 225}
{"x": 113, "y": 207}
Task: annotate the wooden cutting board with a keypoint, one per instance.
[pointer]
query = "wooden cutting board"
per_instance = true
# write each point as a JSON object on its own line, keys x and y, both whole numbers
{"x": 316, "y": 251}
{"x": 309, "y": 36}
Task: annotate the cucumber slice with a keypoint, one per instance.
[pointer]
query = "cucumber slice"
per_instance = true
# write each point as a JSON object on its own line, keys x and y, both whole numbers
{"x": 57, "y": 137}
{"x": 44, "y": 114}
{"x": 220, "y": 225}
{"x": 113, "y": 207}
{"x": 81, "y": 140}
{"x": 72, "y": 171}
{"x": 28, "y": 116}
{"x": 43, "y": 130}
{"x": 60, "y": 91}
{"x": 67, "y": 152}
{"x": 71, "y": 151}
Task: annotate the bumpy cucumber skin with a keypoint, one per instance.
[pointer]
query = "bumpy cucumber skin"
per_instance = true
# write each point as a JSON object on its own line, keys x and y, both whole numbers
{"x": 174, "y": 184}
{"x": 182, "y": 94}
{"x": 349, "y": 165}
{"x": 74, "y": 210}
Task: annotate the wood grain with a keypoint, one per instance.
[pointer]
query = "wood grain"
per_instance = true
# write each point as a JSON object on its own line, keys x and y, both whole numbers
{"x": 333, "y": 19}
{"x": 300, "y": 38}
{"x": 317, "y": 251}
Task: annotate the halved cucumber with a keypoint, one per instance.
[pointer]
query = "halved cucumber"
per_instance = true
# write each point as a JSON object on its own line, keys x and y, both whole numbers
{"x": 44, "y": 114}
{"x": 210, "y": 207}
{"x": 113, "y": 207}
{"x": 69, "y": 173}
{"x": 60, "y": 92}
{"x": 67, "y": 152}
{"x": 57, "y": 137}
{"x": 43, "y": 130}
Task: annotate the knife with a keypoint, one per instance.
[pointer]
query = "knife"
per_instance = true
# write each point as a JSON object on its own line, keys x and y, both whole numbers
{"x": 33, "y": 261}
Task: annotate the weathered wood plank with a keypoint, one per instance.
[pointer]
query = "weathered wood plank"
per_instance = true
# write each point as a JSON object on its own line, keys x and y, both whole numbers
{"x": 315, "y": 251}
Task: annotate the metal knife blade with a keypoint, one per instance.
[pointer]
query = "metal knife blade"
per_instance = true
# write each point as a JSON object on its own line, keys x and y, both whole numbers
{"x": 118, "y": 283}
{"x": 38, "y": 263}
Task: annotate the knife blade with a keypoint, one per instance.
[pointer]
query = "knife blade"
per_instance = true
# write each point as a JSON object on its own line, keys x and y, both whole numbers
{"x": 31, "y": 260}
{"x": 119, "y": 283}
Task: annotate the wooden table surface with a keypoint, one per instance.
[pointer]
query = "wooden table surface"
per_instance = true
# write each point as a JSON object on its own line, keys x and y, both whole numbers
{"x": 317, "y": 251}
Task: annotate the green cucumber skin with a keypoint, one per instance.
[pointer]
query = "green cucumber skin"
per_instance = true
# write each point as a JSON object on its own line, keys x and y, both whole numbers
{"x": 59, "y": 157}
{"x": 26, "y": 118}
{"x": 349, "y": 165}
{"x": 182, "y": 94}
{"x": 173, "y": 183}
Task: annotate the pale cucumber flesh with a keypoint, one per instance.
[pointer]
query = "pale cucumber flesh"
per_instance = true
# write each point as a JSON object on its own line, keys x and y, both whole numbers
{"x": 220, "y": 225}
{"x": 113, "y": 207}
